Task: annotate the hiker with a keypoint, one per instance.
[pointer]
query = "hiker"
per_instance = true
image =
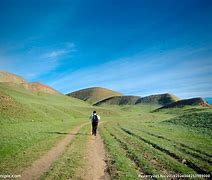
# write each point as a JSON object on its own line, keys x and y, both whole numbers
{"x": 95, "y": 120}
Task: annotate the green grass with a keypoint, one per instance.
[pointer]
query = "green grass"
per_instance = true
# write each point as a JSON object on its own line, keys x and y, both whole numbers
{"x": 25, "y": 142}
{"x": 28, "y": 122}
{"x": 159, "y": 142}
{"x": 194, "y": 120}
{"x": 138, "y": 140}
{"x": 69, "y": 165}
{"x": 120, "y": 167}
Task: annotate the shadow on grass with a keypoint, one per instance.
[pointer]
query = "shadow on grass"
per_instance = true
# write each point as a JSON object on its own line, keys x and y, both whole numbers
{"x": 63, "y": 133}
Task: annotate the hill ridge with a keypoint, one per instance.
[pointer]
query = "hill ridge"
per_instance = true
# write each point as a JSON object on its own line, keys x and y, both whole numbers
{"x": 186, "y": 102}
{"x": 119, "y": 100}
{"x": 34, "y": 87}
{"x": 10, "y": 77}
{"x": 161, "y": 99}
{"x": 93, "y": 95}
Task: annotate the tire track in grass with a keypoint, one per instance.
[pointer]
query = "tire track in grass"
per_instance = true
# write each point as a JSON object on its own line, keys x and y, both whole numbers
{"x": 175, "y": 156}
{"x": 183, "y": 147}
{"x": 120, "y": 165}
{"x": 154, "y": 156}
{"x": 132, "y": 156}
{"x": 195, "y": 155}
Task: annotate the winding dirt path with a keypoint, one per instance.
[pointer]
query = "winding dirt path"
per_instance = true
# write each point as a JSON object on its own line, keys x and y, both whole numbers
{"x": 96, "y": 167}
{"x": 43, "y": 163}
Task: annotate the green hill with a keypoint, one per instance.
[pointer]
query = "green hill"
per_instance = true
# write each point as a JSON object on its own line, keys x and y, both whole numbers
{"x": 94, "y": 94}
{"x": 119, "y": 100}
{"x": 31, "y": 123}
{"x": 16, "y": 101}
{"x": 25, "y": 120}
{"x": 186, "y": 102}
{"x": 17, "y": 81}
{"x": 161, "y": 99}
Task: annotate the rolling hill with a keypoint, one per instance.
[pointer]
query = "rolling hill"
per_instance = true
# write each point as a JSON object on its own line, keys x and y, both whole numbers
{"x": 187, "y": 102}
{"x": 17, "y": 101}
{"x": 37, "y": 87}
{"x": 161, "y": 99}
{"x": 119, "y": 100}
{"x": 13, "y": 80}
{"x": 9, "y": 77}
{"x": 20, "y": 101}
{"x": 33, "y": 120}
{"x": 94, "y": 94}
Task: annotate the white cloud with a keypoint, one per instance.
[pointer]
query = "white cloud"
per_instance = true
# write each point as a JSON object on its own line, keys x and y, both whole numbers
{"x": 56, "y": 53}
{"x": 36, "y": 61}
{"x": 144, "y": 75}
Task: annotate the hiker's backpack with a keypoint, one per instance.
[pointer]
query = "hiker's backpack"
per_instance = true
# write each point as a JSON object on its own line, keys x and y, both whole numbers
{"x": 95, "y": 118}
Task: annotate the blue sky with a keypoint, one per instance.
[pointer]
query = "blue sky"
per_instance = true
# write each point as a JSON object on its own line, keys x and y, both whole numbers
{"x": 137, "y": 47}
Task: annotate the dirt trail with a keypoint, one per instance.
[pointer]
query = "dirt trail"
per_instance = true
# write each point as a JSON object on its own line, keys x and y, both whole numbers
{"x": 43, "y": 164}
{"x": 96, "y": 167}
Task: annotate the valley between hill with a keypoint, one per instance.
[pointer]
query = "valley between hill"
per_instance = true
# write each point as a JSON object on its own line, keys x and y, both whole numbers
{"x": 134, "y": 141}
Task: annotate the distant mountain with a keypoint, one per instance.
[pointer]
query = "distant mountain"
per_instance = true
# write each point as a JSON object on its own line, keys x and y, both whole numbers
{"x": 161, "y": 99}
{"x": 119, "y": 100}
{"x": 35, "y": 87}
{"x": 186, "y": 102}
{"x": 94, "y": 94}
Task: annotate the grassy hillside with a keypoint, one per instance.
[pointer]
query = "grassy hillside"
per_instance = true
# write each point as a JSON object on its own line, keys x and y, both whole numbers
{"x": 17, "y": 81}
{"x": 119, "y": 100}
{"x": 197, "y": 120}
{"x": 9, "y": 77}
{"x": 32, "y": 123}
{"x": 148, "y": 143}
{"x": 94, "y": 94}
{"x": 186, "y": 102}
{"x": 139, "y": 140}
{"x": 161, "y": 99}
{"x": 158, "y": 99}
{"x": 37, "y": 87}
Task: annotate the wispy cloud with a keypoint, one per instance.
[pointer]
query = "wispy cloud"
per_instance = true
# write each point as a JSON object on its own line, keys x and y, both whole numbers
{"x": 35, "y": 61}
{"x": 177, "y": 71}
{"x": 57, "y": 53}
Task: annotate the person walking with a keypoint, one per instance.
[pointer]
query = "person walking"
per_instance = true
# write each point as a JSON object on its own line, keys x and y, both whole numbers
{"x": 94, "y": 120}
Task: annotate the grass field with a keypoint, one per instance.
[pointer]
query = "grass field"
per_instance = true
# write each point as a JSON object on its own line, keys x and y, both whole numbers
{"x": 159, "y": 143}
{"x": 138, "y": 140}
{"x": 32, "y": 123}
{"x": 70, "y": 164}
